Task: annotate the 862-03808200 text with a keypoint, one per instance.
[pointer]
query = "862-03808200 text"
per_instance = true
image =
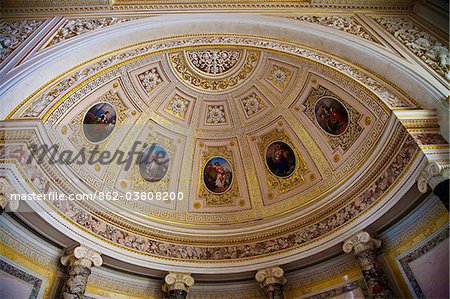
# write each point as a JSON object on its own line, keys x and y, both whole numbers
{"x": 98, "y": 195}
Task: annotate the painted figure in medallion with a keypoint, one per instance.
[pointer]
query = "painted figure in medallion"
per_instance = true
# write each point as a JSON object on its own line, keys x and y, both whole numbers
{"x": 280, "y": 159}
{"x": 331, "y": 115}
{"x": 153, "y": 163}
{"x": 99, "y": 122}
{"x": 217, "y": 175}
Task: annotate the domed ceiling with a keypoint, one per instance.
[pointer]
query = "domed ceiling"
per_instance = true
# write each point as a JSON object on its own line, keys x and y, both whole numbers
{"x": 251, "y": 148}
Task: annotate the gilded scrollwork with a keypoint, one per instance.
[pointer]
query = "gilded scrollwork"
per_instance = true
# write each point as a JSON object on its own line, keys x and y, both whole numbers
{"x": 208, "y": 82}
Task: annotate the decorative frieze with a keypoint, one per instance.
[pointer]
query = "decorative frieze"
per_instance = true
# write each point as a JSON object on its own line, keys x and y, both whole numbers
{"x": 423, "y": 44}
{"x": 74, "y": 27}
{"x": 14, "y": 33}
{"x": 343, "y": 23}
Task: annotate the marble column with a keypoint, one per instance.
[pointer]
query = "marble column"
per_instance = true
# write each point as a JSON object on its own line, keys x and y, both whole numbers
{"x": 364, "y": 246}
{"x": 176, "y": 285}
{"x": 271, "y": 280}
{"x": 436, "y": 175}
{"x": 79, "y": 261}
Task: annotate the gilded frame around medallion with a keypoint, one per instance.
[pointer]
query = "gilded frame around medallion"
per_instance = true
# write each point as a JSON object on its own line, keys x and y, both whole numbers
{"x": 212, "y": 199}
{"x": 78, "y": 137}
{"x": 282, "y": 184}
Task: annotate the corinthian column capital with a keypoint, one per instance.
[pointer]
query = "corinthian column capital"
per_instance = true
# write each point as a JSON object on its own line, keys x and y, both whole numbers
{"x": 360, "y": 242}
{"x": 177, "y": 281}
{"x": 82, "y": 256}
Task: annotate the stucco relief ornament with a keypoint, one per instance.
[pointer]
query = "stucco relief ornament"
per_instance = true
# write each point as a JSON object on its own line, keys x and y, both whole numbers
{"x": 344, "y": 23}
{"x": 178, "y": 106}
{"x": 214, "y": 61}
{"x": 75, "y": 27}
{"x": 150, "y": 79}
{"x": 43, "y": 100}
{"x": 279, "y": 76}
{"x": 216, "y": 115}
{"x": 252, "y": 104}
{"x": 5, "y": 193}
{"x": 13, "y": 33}
{"x": 421, "y": 43}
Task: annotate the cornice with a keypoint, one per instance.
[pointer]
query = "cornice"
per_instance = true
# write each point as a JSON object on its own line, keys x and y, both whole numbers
{"x": 139, "y": 7}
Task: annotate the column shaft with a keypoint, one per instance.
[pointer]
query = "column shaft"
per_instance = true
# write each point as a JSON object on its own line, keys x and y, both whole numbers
{"x": 79, "y": 261}
{"x": 364, "y": 248}
{"x": 373, "y": 275}
{"x": 75, "y": 285}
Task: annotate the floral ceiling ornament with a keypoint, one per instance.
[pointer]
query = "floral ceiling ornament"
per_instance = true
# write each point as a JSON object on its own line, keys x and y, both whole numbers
{"x": 252, "y": 104}
{"x": 150, "y": 79}
{"x": 178, "y": 106}
{"x": 279, "y": 76}
{"x": 75, "y": 27}
{"x": 343, "y": 23}
{"x": 189, "y": 73}
{"x": 14, "y": 33}
{"x": 214, "y": 61}
{"x": 423, "y": 44}
{"x": 215, "y": 115}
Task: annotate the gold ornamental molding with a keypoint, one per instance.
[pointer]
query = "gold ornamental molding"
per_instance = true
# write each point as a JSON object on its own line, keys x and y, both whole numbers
{"x": 11, "y": 7}
{"x": 214, "y": 74}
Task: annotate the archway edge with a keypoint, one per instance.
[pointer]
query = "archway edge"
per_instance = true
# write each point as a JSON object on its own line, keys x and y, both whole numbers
{"x": 54, "y": 61}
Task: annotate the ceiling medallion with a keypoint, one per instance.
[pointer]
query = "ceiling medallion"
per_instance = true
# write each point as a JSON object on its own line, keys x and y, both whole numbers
{"x": 335, "y": 118}
{"x": 154, "y": 163}
{"x": 285, "y": 168}
{"x": 280, "y": 159}
{"x": 214, "y": 71}
{"x": 331, "y": 115}
{"x": 99, "y": 122}
{"x": 96, "y": 124}
{"x": 217, "y": 175}
{"x": 218, "y": 186}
